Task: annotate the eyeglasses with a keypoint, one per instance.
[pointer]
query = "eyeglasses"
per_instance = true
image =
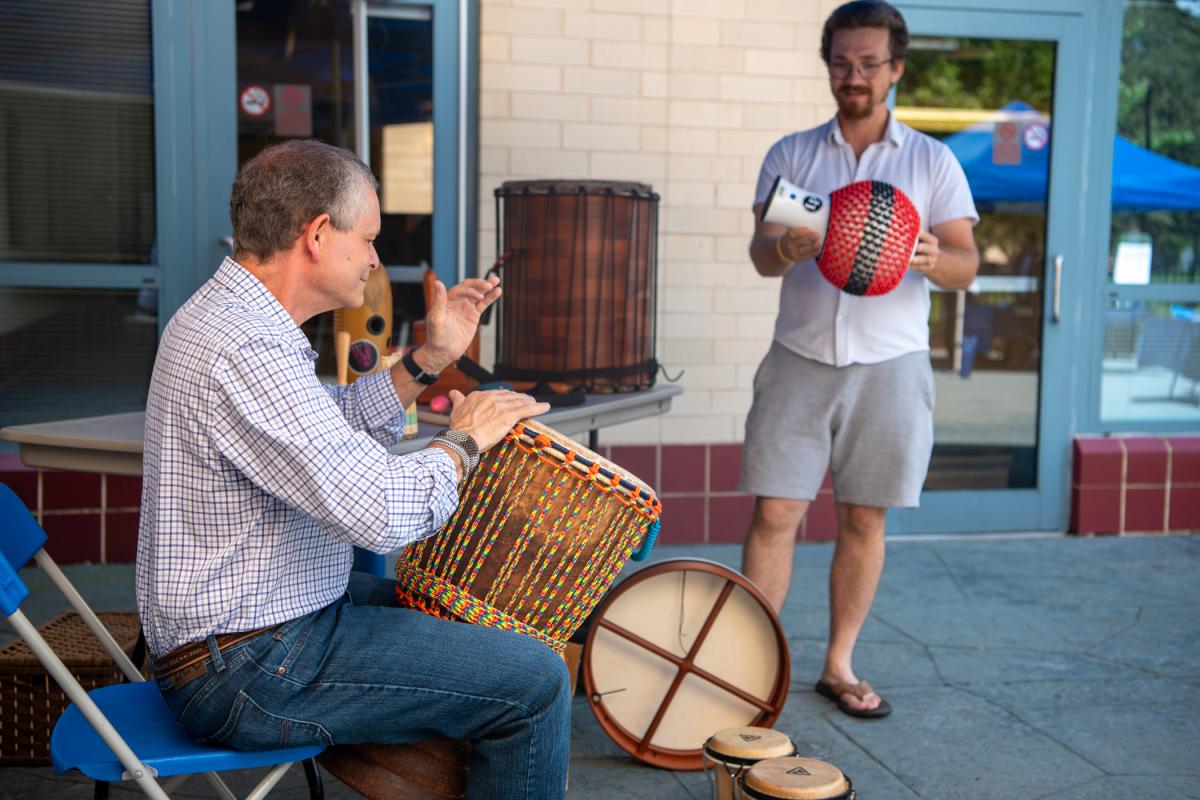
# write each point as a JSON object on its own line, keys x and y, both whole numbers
{"x": 840, "y": 70}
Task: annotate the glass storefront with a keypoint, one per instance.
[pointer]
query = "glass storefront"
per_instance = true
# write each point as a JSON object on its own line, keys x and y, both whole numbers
{"x": 1151, "y": 356}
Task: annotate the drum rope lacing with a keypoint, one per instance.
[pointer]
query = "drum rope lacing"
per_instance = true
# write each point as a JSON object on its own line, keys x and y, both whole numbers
{"x": 420, "y": 585}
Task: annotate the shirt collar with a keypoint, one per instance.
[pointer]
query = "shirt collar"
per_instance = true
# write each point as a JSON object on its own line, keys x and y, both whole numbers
{"x": 242, "y": 283}
{"x": 893, "y": 134}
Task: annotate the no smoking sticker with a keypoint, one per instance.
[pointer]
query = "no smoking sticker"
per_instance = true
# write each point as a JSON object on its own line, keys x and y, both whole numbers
{"x": 255, "y": 101}
{"x": 1036, "y": 136}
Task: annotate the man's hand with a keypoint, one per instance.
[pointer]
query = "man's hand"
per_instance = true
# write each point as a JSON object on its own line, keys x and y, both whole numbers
{"x": 947, "y": 255}
{"x": 488, "y": 416}
{"x": 798, "y": 244}
{"x": 926, "y": 258}
{"x": 453, "y": 319}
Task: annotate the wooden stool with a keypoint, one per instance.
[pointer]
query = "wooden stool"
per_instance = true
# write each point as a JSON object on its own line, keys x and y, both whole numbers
{"x": 433, "y": 769}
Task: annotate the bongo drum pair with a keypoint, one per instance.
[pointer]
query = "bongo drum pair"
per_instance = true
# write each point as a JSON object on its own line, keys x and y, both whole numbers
{"x": 761, "y": 764}
{"x": 733, "y": 751}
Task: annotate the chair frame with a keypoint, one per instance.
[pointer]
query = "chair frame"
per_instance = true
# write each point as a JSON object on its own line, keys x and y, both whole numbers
{"x": 12, "y": 593}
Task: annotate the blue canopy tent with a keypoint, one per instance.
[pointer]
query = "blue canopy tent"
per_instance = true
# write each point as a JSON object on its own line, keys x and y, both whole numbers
{"x": 1142, "y": 180}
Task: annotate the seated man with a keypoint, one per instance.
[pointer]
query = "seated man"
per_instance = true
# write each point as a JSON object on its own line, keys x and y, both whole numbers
{"x": 259, "y": 480}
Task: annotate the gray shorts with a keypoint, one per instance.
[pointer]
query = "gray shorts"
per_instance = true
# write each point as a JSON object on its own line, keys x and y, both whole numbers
{"x": 870, "y": 424}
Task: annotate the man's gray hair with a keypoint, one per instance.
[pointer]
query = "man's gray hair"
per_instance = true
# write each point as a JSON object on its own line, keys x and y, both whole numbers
{"x": 281, "y": 189}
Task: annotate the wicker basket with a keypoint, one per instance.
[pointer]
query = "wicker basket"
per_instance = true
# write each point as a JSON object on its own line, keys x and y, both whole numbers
{"x": 30, "y": 700}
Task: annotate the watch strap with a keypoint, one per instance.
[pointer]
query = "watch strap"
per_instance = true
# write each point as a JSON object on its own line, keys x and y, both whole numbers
{"x": 414, "y": 369}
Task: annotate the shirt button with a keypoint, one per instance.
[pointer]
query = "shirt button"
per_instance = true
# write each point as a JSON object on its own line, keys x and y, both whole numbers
{"x": 281, "y": 670}
{"x": 841, "y": 317}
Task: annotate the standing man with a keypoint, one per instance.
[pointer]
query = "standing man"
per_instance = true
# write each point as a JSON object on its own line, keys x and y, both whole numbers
{"x": 847, "y": 383}
{"x": 259, "y": 480}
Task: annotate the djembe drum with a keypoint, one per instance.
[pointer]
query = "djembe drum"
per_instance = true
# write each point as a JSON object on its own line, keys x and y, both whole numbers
{"x": 578, "y": 260}
{"x": 795, "y": 779}
{"x": 543, "y": 527}
{"x": 734, "y": 750}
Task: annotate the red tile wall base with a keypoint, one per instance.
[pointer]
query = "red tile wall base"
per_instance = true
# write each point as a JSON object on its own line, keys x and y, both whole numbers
{"x": 1120, "y": 485}
{"x": 87, "y": 517}
{"x": 1135, "y": 484}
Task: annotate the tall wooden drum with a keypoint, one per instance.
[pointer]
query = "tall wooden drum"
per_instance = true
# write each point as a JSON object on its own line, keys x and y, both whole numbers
{"x": 578, "y": 260}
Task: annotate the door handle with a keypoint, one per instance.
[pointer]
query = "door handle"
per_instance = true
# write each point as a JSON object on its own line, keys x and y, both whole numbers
{"x": 1056, "y": 306}
{"x": 227, "y": 241}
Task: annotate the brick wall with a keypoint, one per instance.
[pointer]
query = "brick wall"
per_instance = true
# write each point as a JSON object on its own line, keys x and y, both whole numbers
{"x": 686, "y": 95}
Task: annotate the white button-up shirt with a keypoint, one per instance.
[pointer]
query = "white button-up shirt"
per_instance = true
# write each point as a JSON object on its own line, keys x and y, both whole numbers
{"x": 817, "y": 320}
{"x": 258, "y": 478}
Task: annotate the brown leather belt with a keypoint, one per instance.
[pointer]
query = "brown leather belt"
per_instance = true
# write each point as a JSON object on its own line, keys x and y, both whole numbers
{"x": 185, "y": 663}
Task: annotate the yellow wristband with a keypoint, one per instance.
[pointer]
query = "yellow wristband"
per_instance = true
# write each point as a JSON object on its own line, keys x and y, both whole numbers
{"x": 779, "y": 251}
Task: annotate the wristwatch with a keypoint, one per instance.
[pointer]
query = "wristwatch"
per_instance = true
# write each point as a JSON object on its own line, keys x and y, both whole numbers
{"x": 414, "y": 369}
{"x": 461, "y": 443}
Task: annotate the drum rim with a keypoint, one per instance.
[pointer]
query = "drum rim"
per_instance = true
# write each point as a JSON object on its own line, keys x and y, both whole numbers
{"x": 632, "y": 482}
{"x": 576, "y": 186}
{"x": 757, "y": 794}
{"x": 745, "y": 761}
{"x": 665, "y": 757}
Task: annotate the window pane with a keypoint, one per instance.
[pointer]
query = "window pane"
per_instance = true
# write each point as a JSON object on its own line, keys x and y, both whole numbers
{"x": 1156, "y": 156}
{"x": 77, "y": 139}
{"x": 77, "y": 353}
{"x": 1151, "y": 362}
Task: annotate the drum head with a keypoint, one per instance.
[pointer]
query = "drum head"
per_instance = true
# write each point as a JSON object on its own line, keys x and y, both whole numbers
{"x": 748, "y": 744}
{"x": 795, "y": 779}
{"x": 681, "y": 649}
{"x": 570, "y": 444}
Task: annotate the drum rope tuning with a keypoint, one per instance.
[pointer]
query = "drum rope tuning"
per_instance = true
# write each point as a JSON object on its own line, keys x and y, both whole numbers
{"x": 543, "y": 589}
{"x": 580, "y": 258}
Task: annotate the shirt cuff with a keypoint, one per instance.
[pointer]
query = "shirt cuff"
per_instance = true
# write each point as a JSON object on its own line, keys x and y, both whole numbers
{"x": 377, "y": 400}
{"x": 443, "y": 493}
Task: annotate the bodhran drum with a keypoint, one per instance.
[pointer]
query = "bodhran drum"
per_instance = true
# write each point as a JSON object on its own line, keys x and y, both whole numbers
{"x": 543, "y": 527}
{"x": 795, "y": 779}
{"x": 578, "y": 260}
{"x": 678, "y": 650}
{"x": 734, "y": 750}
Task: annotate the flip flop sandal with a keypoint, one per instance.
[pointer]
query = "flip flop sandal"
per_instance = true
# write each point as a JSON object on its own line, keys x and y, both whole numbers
{"x": 860, "y": 690}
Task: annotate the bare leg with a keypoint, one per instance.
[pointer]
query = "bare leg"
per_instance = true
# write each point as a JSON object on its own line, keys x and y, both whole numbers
{"x": 771, "y": 546}
{"x": 854, "y": 577}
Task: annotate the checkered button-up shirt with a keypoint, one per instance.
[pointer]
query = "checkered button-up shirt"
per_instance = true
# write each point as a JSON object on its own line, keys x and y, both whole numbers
{"x": 258, "y": 478}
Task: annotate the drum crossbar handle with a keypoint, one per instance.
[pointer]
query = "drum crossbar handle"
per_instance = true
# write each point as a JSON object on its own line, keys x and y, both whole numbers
{"x": 645, "y": 503}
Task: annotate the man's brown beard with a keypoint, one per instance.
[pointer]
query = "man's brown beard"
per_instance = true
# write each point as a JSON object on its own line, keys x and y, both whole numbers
{"x": 845, "y": 98}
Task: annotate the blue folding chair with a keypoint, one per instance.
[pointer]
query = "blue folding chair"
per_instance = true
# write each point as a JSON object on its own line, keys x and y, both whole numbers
{"x": 124, "y": 731}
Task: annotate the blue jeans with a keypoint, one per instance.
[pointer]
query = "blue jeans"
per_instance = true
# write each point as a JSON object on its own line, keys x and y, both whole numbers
{"x": 364, "y": 670}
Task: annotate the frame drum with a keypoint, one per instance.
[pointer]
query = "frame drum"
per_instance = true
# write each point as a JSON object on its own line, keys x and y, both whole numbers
{"x": 796, "y": 779}
{"x": 734, "y": 750}
{"x": 680, "y": 649}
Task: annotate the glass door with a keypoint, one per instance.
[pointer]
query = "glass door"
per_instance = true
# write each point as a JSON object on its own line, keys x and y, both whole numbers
{"x": 989, "y": 85}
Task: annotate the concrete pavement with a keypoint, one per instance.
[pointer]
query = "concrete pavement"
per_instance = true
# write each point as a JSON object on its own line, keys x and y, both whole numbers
{"x": 1046, "y": 667}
